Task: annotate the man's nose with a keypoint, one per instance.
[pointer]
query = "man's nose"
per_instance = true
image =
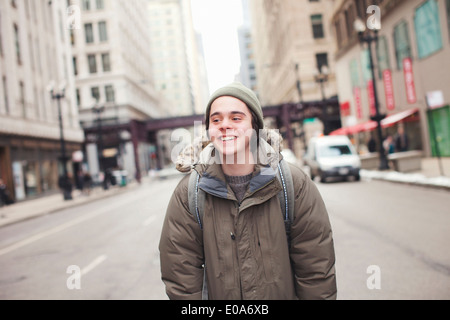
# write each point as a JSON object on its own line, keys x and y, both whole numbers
{"x": 226, "y": 124}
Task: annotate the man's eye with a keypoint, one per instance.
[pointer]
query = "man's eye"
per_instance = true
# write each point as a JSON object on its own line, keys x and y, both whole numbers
{"x": 236, "y": 118}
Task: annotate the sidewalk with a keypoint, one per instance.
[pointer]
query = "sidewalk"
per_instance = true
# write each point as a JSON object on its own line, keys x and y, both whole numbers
{"x": 428, "y": 176}
{"x": 46, "y": 205}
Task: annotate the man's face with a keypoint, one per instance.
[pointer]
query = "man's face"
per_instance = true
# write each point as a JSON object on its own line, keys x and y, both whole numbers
{"x": 230, "y": 126}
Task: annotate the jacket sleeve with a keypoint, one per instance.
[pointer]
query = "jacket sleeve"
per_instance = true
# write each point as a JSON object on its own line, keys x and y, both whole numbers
{"x": 181, "y": 248}
{"x": 312, "y": 248}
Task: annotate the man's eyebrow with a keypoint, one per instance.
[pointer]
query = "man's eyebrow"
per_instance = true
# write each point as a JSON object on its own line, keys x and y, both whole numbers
{"x": 232, "y": 112}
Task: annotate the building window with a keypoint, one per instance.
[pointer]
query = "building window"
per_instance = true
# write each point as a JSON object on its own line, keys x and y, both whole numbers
{"x": 100, "y": 4}
{"x": 402, "y": 43}
{"x": 428, "y": 30}
{"x": 382, "y": 56}
{"x": 103, "y": 34}
{"x": 95, "y": 93}
{"x": 317, "y": 26}
{"x": 360, "y": 9}
{"x": 106, "y": 63}
{"x": 72, "y": 37}
{"x": 17, "y": 44}
{"x": 89, "y": 34}
{"x": 354, "y": 73}
{"x": 1, "y": 37}
{"x": 448, "y": 17}
{"x": 321, "y": 60}
{"x": 22, "y": 98}
{"x": 86, "y": 5}
{"x": 365, "y": 65}
{"x": 349, "y": 20}
{"x": 109, "y": 93}
{"x": 337, "y": 28}
{"x": 78, "y": 97}
{"x": 5, "y": 94}
{"x": 75, "y": 66}
{"x": 92, "y": 63}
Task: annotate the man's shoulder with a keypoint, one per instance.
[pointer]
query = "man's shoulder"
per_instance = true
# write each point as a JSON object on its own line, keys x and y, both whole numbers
{"x": 299, "y": 177}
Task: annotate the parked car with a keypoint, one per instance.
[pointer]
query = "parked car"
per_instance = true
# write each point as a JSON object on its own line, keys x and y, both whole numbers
{"x": 332, "y": 156}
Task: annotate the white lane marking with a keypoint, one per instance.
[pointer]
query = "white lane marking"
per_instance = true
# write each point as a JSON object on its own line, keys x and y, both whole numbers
{"x": 93, "y": 264}
{"x": 149, "y": 220}
{"x": 56, "y": 229}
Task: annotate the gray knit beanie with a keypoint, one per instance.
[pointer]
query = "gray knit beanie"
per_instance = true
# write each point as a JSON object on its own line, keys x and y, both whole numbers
{"x": 238, "y": 91}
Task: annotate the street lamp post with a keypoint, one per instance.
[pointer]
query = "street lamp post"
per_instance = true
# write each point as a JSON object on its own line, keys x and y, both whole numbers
{"x": 97, "y": 109}
{"x": 64, "y": 182}
{"x": 321, "y": 77}
{"x": 360, "y": 27}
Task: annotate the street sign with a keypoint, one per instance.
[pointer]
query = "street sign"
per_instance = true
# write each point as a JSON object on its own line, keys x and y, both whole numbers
{"x": 409, "y": 81}
{"x": 357, "y": 96}
{"x": 371, "y": 95}
{"x": 435, "y": 99}
{"x": 388, "y": 89}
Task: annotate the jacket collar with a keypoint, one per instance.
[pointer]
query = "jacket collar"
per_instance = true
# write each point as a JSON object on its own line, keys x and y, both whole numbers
{"x": 213, "y": 179}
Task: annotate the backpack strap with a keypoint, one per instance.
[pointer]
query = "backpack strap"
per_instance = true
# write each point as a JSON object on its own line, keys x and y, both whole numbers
{"x": 286, "y": 196}
{"x": 196, "y": 198}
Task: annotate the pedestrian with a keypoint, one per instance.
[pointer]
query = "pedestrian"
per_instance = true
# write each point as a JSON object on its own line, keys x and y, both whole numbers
{"x": 242, "y": 241}
{"x": 5, "y": 196}
{"x": 87, "y": 182}
{"x": 372, "y": 145}
{"x": 388, "y": 145}
{"x": 401, "y": 140}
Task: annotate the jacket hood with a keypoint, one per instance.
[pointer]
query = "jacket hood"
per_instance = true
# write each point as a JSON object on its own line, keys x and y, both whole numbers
{"x": 202, "y": 152}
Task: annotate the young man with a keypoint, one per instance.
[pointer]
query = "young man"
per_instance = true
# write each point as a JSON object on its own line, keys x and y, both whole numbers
{"x": 243, "y": 240}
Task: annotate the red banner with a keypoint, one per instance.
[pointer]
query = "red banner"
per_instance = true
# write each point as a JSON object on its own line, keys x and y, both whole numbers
{"x": 388, "y": 89}
{"x": 357, "y": 96}
{"x": 371, "y": 94}
{"x": 345, "y": 109}
{"x": 409, "y": 81}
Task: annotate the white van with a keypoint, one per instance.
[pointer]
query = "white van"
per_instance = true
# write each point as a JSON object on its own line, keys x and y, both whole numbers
{"x": 332, "y": 156}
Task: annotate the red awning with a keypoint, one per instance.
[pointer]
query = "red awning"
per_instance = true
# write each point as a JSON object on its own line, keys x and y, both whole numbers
{"x": 339, "y": 132}
{"x": 365, "y": 126}
{"x": 371, "y": 125}
{"x": 394, "y": 118}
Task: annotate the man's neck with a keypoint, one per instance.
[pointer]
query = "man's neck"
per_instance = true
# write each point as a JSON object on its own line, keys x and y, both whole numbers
{"x": 235, "y": 168}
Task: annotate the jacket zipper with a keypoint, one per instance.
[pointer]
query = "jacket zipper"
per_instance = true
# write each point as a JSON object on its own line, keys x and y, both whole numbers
{"x": 233, "y": 238}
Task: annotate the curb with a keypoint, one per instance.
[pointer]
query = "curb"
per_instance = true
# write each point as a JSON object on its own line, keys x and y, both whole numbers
{"x": 6, "y": 221}
{"x": 442, "y": 183}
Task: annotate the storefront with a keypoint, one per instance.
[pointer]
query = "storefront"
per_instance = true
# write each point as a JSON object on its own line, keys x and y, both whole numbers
{"x": 439, "y": 131}
{"x": 30, "y": 167}
{"x": 362, "y": 133}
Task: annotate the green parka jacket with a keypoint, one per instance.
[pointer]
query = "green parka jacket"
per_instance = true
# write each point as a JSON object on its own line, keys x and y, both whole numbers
{"x": 244, "y": 244}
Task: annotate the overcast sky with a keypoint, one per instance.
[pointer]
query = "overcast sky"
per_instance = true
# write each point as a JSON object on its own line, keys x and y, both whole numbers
{"x": 218, "y": 21}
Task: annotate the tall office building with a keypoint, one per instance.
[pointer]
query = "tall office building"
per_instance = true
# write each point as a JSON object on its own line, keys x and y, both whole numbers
{"x": 34, "y": 52}
{"x": 178, "y": 62}
{"x": 294, "y": 51}
{"x": 293, "y": 40}
{"x": 247, "y": 73}
{"x": 114, "y": 84}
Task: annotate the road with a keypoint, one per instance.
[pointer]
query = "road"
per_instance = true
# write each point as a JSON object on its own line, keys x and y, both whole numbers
{"x": 108, "y": 249}
{"x": 402, "y": 230}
